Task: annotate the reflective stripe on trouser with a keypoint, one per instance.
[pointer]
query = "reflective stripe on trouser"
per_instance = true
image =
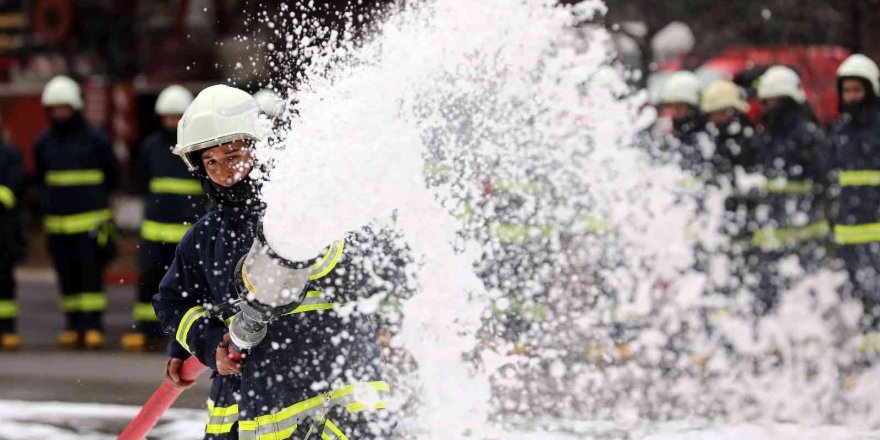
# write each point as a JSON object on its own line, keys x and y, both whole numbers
{"x": 164, "y": 232}
{"x": 84, "y": 302}
{"x": 85, "y": 177}
{"x": 857, "y": 234}
{"x": 189, "y": 318}
{"x": 8, "y": 309}
{"x": 772, "y": 238}
{"x": 859, "y": 178}
{"x": 174, "y": 185}
{"x": 357, "y": 397}
{"x": 143, "y": 311}
{"x": 328, "y": 262}
{"x": 76, "y": 223}
{"x": 221, "y": 418}
{"x": 7, "y": 197}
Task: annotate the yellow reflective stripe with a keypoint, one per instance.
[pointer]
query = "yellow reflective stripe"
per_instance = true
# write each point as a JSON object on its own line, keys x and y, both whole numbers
{"x": 189, "y": 318}
{"x": 247, "y": 279}
{"x": 870, "y": 342}
{"x": 332, "y": 432}
{"x": 7, "y": 197}
{"x": 313, "y": 302}
{"x": 221, "y": 418}
{"x": 859, "y": 178}
{"x": 163, "y": 232}
{"x": 772, "y": 238}
{"x": 8, "y": 309}
{"x": 281, "y": 425}
{"x": 84, "y": 302}
{"x": 785, "y": 186}
{"x": 857, "y": 234}
{"x": 357, "y": 407}
{"x": 514, "y": 233}
{"x": 174, "y": 185}
{"x": 74, "y": 177}
{"x": 143, "y": 311}
{"x": 329, "y": 261}
{"x": 76, "y": 223}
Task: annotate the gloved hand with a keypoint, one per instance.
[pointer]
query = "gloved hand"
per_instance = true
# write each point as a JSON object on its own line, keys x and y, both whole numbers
{"x": 226, "y": 365}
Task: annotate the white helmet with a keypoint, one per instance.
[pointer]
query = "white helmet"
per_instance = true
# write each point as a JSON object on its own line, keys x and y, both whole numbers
{"x": 722, "y": 94}
{"x": 62, "y": 90}
{"x": 173, "y": 100}
{"x": 682, "y": 87}
{"x": 218, "y": 115}
{"x": 860, "y": 66}
{"x": 269, "y": 102}
{"x": 781, "y": 81}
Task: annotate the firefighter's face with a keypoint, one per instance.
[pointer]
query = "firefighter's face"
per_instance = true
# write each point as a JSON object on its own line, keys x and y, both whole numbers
{"x": 679, "y": 111}
{"x": 721, "y": 117}
{"x": 61, "y": 112}
{"x": 853, "y": 91}
{"x": 229, "y": 163}
{"x": 169, "y": 122}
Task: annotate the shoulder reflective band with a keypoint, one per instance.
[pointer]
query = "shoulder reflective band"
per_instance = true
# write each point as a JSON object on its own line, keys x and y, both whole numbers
{"x": 777, "y": 237}
{"x": 859, "y": 178}
{"x": 221, "y": 418}
{"x": 359, "y": 396}
{"x": 143, "y": 311}
{"x": 332, "y": 432}
{"x": 74, "y": 177}
{"x": 857, "y": 234}
{"x": 7, "y": 197}
{"x": 189, "y": 318}
{"x": 76, "y": 223}
{"x": 314, "y": 301}
{"x": 323, "y": 267}
{"x": 173, "y": 185}
{"x": 163, "y": 232}
{"x": 84, "y": 302}
{"x": 8, "y": 309}
{"x": 785, "y": 186}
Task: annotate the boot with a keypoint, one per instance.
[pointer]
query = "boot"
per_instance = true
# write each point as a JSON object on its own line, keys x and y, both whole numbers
{"x": 68, "y": 340}
{"x": 10, "y": 342}
{"x": 134, "y": 342}
{"x": 93, "y": 340}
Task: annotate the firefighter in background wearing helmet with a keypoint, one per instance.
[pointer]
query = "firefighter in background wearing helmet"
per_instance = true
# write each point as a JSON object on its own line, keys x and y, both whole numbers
{"x": 787, "y": 218}
{"x": 687, "y": 141}
{"x": 12, "y": 244}
{"x": 173, "y": 203}
{"x": 78, "y": 170}
{"x": 856, "y": 143}
{"x": 315, "y": 364}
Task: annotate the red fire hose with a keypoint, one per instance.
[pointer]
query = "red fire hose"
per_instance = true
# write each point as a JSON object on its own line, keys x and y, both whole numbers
{"x": 164, "y": 396}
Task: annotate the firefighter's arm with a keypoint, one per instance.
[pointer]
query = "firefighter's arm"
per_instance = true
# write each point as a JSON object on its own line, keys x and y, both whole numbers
{"x": 181, "y": 306}
{"x": 109, "y": 164}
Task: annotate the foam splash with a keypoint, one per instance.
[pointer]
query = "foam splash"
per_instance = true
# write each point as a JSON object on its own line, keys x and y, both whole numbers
{"x": 556, "y": 264}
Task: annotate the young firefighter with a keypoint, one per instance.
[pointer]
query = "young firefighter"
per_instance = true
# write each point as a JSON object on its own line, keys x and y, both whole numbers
{"x": 316, "y": 371}
{"x": 11, "y": 241}
{"x": 174, "y": 201}
{"x": 76, "y": 165}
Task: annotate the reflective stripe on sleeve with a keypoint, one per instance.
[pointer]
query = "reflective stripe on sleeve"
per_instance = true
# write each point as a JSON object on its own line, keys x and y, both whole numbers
{"x": 857, "y": 234}
{"x": 174, "y": 185}
{"x": 74, "y": 177}
{"x": 143, "y": 311}
{"x": 326, "y": 265}
{"x": 7, "y": 197}
{"x": 313, "y": 301}
{"x": 8, "y": 309}
{"x": 332, "y": 432}
{"x": 859, "y": 178}
{"x": 163, "y": 232}
{"x": 189, "y": 318}
{"x": 76, "y": 223}
{"x": 773, "y": 238}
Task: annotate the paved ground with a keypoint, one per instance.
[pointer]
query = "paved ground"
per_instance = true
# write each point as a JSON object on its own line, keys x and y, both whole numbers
{"x": 41, "y": 373}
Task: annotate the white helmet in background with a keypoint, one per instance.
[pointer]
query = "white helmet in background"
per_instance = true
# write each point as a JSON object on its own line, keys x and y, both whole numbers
{"x": 173, "y": 101}
{"x": 682, "y": 87}
{"x": 861, "y": 67}
{"x": 269, "y": 101}
{"x": 62, "y": 90}
{"x": 219, "y": 114}
{"x": 722, "y": 94}
{"x": 779, "y": 82}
